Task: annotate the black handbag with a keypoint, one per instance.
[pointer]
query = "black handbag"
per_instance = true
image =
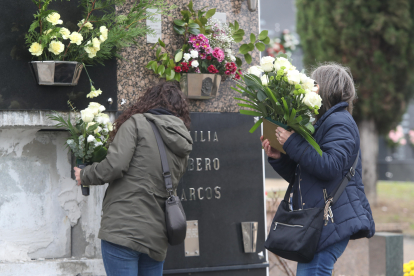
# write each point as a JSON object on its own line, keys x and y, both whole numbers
{"x": 175, "y": 219}
{"x": 294, "y": 234}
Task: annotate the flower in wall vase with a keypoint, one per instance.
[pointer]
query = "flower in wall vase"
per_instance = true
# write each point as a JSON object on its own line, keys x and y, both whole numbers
{"x": 57, "y": 73}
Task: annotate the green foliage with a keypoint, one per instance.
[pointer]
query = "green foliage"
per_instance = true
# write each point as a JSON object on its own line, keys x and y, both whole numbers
{"x": 375, "y": 39}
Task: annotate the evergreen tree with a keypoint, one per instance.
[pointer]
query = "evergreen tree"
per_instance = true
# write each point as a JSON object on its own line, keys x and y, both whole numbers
{"x": 375, "y": 38}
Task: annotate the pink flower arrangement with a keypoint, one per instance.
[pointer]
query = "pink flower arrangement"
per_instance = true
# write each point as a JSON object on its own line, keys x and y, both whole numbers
{"x": 396, "y": 137}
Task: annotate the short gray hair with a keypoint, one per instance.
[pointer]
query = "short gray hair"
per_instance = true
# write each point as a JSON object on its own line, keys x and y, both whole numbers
{"x": 335, "y": 85}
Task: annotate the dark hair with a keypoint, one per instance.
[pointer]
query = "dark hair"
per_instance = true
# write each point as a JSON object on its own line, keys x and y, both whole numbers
{"x": 166, "y": 95}
{"x": 335, "y": 85}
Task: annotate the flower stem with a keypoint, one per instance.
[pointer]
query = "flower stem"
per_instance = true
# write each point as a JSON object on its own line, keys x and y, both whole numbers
{"x": 90, "y": 80}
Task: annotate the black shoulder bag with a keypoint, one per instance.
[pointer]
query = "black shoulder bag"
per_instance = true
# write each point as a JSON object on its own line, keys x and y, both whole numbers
{"x": 294, "y": 235}
{"x": 174, "y": 213}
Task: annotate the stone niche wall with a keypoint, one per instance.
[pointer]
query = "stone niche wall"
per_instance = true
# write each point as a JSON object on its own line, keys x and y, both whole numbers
{"x": 134, "y": 78}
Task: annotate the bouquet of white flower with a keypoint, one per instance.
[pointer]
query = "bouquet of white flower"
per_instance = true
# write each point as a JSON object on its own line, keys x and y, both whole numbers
{"x": 88, "y": 136}
{"x": 281, "y": 96}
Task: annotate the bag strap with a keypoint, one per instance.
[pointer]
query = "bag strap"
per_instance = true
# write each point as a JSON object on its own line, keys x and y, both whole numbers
{"x": 341, "y": 187}
{"x": 164, "y": 161}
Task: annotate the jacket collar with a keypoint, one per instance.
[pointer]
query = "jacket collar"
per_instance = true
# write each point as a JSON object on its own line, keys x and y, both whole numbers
{"x": 338, "y": 107}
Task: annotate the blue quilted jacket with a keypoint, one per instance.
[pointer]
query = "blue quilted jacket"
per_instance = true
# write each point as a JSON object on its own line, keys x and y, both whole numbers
{"x": 337, "y": 134}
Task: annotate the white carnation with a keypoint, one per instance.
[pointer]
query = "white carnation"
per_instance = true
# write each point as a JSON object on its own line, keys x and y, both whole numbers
{"x": 65, "y": 33}
{"x": 54, "y": 18}
{"x": 102, "y": 108}
{"x": 36, "y": 49}
{"x": 187, "y": 57}
{"x": 97, "y": 144}
{"x": 194, "y": 64}
{"x": 56, "y": 47}
{"x": 194, "y": 54}
{"x": 312, "y": 100}
{"x": 91, "y": 139}
{"x": 86, "y": 25}
{"x": 267, "y": 63}
{"x": 76, "y": 38}
{"x": 104, "y": 33}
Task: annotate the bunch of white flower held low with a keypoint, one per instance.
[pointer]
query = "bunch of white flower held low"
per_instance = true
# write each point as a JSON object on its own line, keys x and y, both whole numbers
{"x": 96, "y": 127}
{"x": 281, "y": 69}
{"x": 60, "y": 34}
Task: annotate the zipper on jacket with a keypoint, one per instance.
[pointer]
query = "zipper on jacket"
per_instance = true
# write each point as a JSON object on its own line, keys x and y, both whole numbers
{"x": 284, "y": 224}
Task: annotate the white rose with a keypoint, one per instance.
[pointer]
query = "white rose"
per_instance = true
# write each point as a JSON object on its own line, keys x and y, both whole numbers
{"x": 312, "y": 99}
{"x": 87, "y": 24}
{"x": 36, "y": 49}
{"x": 94, "y": 107}
{"x": 265, "y": 80}
{"x": 194, "y": 64}
{"x": 54, "y": 18}
{"x": 281, "y": 61}
{"x": 104, "y": 33}
{"x": 194, "y": 54}
{"x": 255, "y": 70}
{"x": 65, "y": 33}
{"x": 76, "y": 38}
{"x": 186, "y": 57}
{"x": 97, "y": 130}
{"x": 99, "y": 120}
{"x": 102, "y": 108}
{"x": 91, "y": 139}
{"x": 293, "y": 76}
{"x": 267, "y": 63}
{"x": 56, "y": 47}
{"x": 96, "y": 43}
{"x": 87, "y": 115}
{"x": 307, "y": 83}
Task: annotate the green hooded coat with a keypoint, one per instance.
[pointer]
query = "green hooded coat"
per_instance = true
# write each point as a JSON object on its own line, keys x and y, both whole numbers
{"x": 134, "y": 204}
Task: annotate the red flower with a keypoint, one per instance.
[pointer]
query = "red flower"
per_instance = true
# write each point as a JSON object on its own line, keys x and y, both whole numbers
{"x": 189, "y": 63}
{"x": 185, "y": 69}
{"x": 209, "y": 57}
{"x": 231, "y": 66}
{"x": 212, "y": 69}
{"x": 177, "y": 69}
{"x": 238, "y": 74}
{"x": 227, "y": 72}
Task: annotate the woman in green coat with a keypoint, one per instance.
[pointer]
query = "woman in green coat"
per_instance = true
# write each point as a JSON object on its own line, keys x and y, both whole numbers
{"x": 133, "y": 230}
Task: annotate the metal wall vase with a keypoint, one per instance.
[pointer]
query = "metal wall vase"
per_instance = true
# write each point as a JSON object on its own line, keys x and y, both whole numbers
{"x": 200, "y": 86}
{"x": 58, "y": 73}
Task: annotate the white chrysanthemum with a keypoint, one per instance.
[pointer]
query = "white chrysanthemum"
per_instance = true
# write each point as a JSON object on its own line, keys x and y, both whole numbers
{"x": 255, "y": 70}
{"x": 187, "y": 57}
{"x": 36, "y": 49}
{"x": 280, "y": 62}
{"x": 91, "y": 139}
{"x": 65, "y": 33}
{"x": 86, "y": 25}
{"x": 267, "y": 63}
{"x": 312, "y": 100}
{"x": 265, "y": 80}
{"x": 194, "y": 54}
{"x": 76, "y": 38}
{"x": 54, "y": 18}
{"x": 104, "y": 33}
{"x": 194, "y": 64}
{"x": 87, "y": 115}
{"x": 293, "y": 76}
{"x": 56, "y": 47}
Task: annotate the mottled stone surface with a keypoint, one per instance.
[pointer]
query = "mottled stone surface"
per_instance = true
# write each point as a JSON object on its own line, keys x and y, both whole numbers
{"x": 134, "y": 78}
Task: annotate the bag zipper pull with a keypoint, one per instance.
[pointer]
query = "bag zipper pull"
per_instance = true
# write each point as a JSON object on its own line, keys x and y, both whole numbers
{"x": 275, "y": 226}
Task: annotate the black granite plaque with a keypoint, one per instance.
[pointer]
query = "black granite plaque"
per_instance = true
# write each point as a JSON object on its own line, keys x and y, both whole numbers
{"x": 222, "y": 188}
{"x": 18, "y": 90}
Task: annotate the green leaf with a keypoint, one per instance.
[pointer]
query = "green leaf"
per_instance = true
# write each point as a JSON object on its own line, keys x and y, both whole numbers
{"x": 150, "y": 64}
{"x": 236, "y": 25}
{"x": 263, "y": 34}
{"x": 266, "y": 40}
{"x": 256, "y": 125}
{"x": 186, "y": 15}
{"x": 179, "y": 30}
{"x": 310, "y": 127}
{"x": 210, "y": 13}
{"x": 248, "y": 106}
{"x": 239, "y": 62}
{"x": 164, "y": 56}
{"x": 203, "y": 20}
{"x": 169, "y": 74}
{"x": 260, "y": 46}
{"x": 251, "y": 113}
{"x": 179, "y": 22}
{"x": 190, "y": 6}
{"x": 248, "y": 58}
{"x": 172, "y": 64}
{"x": 177, "y": 76}
{"x": 252, "y": 38}
{"x": 161, "y": 43}
{"x": 157, "y": 54}
{"x": 99, "y": 154}
{"x": 154, "y": 67}
{"x": 161, "y": 70}
{"x": 237, "y": 38}
{"x": 239, "y": 32}
{"x": 251, "y": 46}
{"x": 194, "y": 25}
{"x": 194, "y": 31}
{"x": 179, "y": 56}
{"x": 244, "y": 49}
{"x": 244, "y": 100}
{"x": 261, "y": 96}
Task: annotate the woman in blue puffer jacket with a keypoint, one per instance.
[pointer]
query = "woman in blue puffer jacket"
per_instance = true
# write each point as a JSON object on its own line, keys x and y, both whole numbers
{"x": 337, "y": 134}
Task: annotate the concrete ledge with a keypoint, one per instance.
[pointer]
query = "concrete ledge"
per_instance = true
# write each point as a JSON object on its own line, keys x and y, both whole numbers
{"x": 56, "y": 267}
{"x": 36, "y": 119}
